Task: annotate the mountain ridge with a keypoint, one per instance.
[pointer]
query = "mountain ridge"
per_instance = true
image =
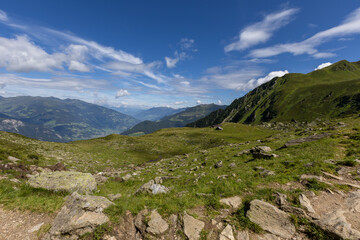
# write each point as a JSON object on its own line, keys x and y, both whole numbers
{"x": 325, "y": 93}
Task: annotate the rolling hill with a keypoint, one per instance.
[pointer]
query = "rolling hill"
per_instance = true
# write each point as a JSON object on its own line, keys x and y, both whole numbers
{"x": 156, "y": 113}
{"x": 330, "y": 92}
{"x": 176, "y": 120}
{"x": 53, "y": 119}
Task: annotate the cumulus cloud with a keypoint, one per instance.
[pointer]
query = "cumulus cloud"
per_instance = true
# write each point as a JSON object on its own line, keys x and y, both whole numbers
{"x": 179, "y": 102}
{"x": 219, "y": 102}
{"x": 21, "y": 55}
{"x": 186, "y": 47}
{"x": 187, "y": 44}
{"x": 198, "y": 102}
{"x": 261, "y": 32}
{"x": 270, "y": 76}
{"x": 350, "y": 26}
{"x": 122, "y": 93}
{"x": 323, "y": 65}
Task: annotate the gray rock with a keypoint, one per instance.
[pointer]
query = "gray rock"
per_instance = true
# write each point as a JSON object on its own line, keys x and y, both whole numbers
{"x": 36, "y": 228}
{"x": 306, "y": 139}
{"x": 192, "y": 227}
{"x": 64, "y": 181}
{"x": 264, "y": 149}
{"x": 233, "y": 202}
{"x": 335, "y": 222}
{"x": 353, "y": 201}
{"x": 232, "y": 165}
{"x": 126, "y": 177}
{"x": 114, "y": 197}
{"x": 80, "y": 215}
{"x": 218, "y": 164}
{"x": 152, "y": 187}
{"x": 227, "y": 233}
{"x": 157, "y": 225}
{"x": 305, "y": 202}
{"x": 271, "y": 219}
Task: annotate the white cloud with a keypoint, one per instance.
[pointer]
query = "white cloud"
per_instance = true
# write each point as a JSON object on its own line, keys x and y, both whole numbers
{"x": 270, "y": 76}
{"x": 78, "y": 66}
{"x": 122, "y": 93}
{"x": 187, "y": 44}
{"x": 323, "y": 65}
{"x": 3, "y": 16}
{"x": 198, "y": 102}
{"x": 21, "y": 55}
{"x": 350, "y": 26}
{"x": 171, "y": 62}
{"x": 219, "y": 102}
{"x": 179, "y": 102}
{"x": 261, "y": 32}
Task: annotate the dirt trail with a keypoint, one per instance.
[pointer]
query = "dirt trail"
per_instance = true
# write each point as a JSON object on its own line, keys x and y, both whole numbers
{"x": 16, "y": 225}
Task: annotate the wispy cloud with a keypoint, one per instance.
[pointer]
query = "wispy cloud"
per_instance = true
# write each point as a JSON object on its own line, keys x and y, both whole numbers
{"x": 350, "y": 26}
{"x": 186, "y": 46}
{"x": 3, "y": 16}
{"x": 262, "y": 31}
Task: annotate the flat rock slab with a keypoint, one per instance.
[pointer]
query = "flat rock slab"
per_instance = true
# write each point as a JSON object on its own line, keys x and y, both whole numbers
{"x": 157, "y": 225}
{"x": 233, "y": 202}
{"x": 64, "y": 181}
{"x": 271, "y": 219}
{"x": 192, "y": 227}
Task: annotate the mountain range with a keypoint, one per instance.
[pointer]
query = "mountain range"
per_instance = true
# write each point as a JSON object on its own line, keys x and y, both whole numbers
{"x": 327, "y": 93}
{"x": 179, "y": 119}
{"x": 53, "y": 119}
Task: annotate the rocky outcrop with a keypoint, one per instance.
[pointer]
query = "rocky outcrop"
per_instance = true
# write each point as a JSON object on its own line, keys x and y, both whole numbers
{"x": 306, "y": 139}
{"x": 271, "y": 219}
{"x": 64, "y": 181}
{"x": 192, "y": 227}
{"x": 80, "y": 215}
{"x": 305, "y": 202}
{"x": 227, "y": 233}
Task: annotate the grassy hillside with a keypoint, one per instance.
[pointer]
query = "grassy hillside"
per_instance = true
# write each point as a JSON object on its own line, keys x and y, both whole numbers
{"x": 54, "y": 119}
{"x": 156, "y": 113}
{"x": 331, "y": 92}
{"x": 176, "y": 120}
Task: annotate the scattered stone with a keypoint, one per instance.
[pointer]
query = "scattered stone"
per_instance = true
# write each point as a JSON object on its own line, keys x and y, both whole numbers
{"x": 15, "y": 180}
{"x": 114, "y": 197}
{"x": 157, "y": 225}
{"x": 332, "y": 176}
{"x": 218, "y": 164}
{"x": 330, "y": 161}
{"x": 271, "y": 219}
{"x": 265, "y": 149}
{"x": 13, "y": 159}
{"x": 192, "y": 227}
{"x": 227, "y": 233}
{"x": 126, "y": 177}
{"x": 281, "y": 199}
{"x": 139, "y": 221}
{"x": 232, "y": 165}
{"x": 261, "y": 152}
{"x": 335, "y": 222}
{"x": 80, "y": 215}
{"x": 158, "y": 180}
{"x": 233, "y": 202}
{"x": 266, "y": 173}
{"x": 153, "y": 188}
{"x": 306, "y": 139}
{"x": 64, "y": 181}
{"x": 57, "y": 167}
{"x": 305, "y": 202}
{"x": 219, "y": 128}
{"x": 36, "y": 228}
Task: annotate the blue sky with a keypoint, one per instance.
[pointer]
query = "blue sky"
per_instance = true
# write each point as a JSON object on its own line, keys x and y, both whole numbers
{"x": 167, "y": 53}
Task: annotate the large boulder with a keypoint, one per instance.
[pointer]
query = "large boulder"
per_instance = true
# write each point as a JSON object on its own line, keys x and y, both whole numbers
{"x": 64, "y": 181}
{"x": 271, "y": 219}
{"x": 80, "y": 215}
{"x": 192, "y": 227}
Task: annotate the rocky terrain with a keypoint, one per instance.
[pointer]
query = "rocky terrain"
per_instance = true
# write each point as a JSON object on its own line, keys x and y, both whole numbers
{"x": 273, "y": 181}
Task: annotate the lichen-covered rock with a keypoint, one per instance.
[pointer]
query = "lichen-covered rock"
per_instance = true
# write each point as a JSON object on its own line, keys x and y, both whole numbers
{"x": 80, "y": 215}
{"x": 64, "y": 181}
{"x": 271, "y": 219}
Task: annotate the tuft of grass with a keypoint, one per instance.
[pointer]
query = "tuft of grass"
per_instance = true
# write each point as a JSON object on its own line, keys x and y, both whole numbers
{"x": 314, "y": 184}
{"x": 349, "y": 163}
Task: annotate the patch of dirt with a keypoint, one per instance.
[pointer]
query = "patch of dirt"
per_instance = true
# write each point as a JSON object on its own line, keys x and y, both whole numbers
{"x": 16, "y": 225}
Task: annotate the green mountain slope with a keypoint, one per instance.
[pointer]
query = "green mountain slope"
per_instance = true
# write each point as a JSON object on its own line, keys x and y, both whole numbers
{"x": 53, "y": 119}
{"x": 331, "y": 92}
{"x": 156, "y": 113}
{"x": 177, "y": 120}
